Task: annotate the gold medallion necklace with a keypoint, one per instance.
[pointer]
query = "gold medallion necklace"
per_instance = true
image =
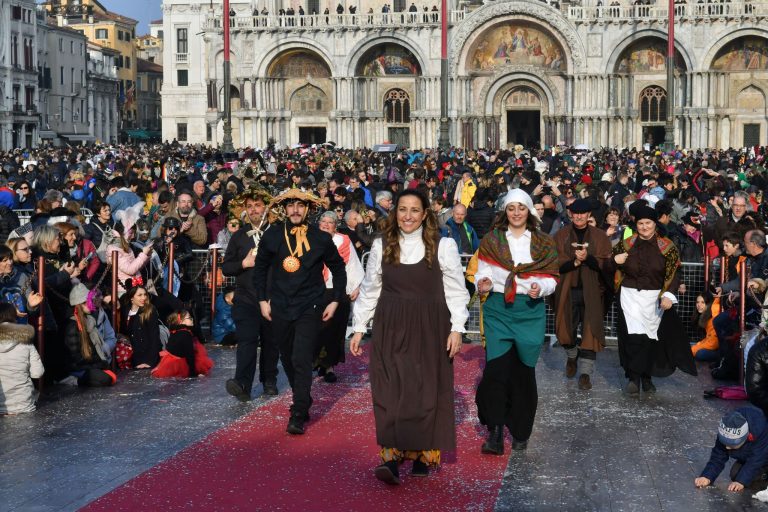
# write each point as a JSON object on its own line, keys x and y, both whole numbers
{"x": 291, "y": 263}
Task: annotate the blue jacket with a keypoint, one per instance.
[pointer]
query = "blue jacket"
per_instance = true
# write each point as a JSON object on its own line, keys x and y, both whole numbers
{"x": 453, "y": 230}
{"x": 222, "y": 322}
{"x": 368, "y": 199}
{"x": 753, "y": 455}
{"x": 121, "y": 200}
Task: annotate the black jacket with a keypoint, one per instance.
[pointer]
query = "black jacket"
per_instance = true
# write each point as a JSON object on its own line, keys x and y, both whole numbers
{"x": 756, "y": 375}
{"x": 8, "y": 222}
{"x": 293, "y": 292}
{"x": 76, "y": 359}
{"x": 94, "y": 230}
{"x": 237, "y": 250}
{"x": 481, "y": 218}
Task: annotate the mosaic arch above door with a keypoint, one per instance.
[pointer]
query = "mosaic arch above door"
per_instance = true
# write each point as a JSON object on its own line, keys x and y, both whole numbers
{"x": 647, "y": 56}
{"x": 515, "y": 43}
{"x": 388, "y": 59}
{"x": 748, "y": 53}
{"x": 298, "y": 64}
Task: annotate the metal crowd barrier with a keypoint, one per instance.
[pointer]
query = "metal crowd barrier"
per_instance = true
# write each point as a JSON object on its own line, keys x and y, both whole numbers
{"x": 692, "y": 275}
{"x": 25, "y": 215}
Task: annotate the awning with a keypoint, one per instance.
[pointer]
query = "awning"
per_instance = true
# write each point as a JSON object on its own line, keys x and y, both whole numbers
{"x": 143, "y": 134}
{"x": 47, "y": 134}
{"x": 83, "y": 137}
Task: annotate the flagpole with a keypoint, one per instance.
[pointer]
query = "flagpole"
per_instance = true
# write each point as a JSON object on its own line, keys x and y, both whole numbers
{"x": 226, "y": 143}
{"x": 442, "y": 140}
{"x": 669, "y": 129}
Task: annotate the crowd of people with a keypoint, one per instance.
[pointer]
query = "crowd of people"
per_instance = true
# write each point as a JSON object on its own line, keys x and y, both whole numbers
{"x": 314, "y": 236}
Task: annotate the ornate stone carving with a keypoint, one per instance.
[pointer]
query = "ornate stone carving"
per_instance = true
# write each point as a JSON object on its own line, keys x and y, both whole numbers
{"x": 595, "y": 45}
{"x": 548, "y": 16}
{"x": 535, "y": 75}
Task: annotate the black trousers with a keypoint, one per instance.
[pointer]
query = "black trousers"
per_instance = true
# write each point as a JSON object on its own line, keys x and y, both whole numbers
{"x": 507, "y": 395}
{"x": 297, "y": 339}
{"x": 577, "y": 318}
{"x": 253, "y": 332}
{"x": 638, "y": 352}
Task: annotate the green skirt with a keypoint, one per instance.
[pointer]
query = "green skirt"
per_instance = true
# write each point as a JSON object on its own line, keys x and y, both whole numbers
{"x": 520, "y": 325}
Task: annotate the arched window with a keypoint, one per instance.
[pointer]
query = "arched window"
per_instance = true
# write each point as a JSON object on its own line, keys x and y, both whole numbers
{"x": 397, "y": 106}
{"x": 653, "y": 105}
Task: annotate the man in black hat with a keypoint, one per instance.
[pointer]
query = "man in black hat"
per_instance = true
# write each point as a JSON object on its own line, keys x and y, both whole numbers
{"x": 584, "y": 254}
{"x": 295, "y": 252}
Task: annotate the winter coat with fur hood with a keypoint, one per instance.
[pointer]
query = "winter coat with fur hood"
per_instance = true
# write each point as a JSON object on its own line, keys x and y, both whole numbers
{"x": 19, "y": 364}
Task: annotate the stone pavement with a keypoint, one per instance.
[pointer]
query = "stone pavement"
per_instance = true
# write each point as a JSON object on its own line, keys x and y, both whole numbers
{"x": 594, "y": 450}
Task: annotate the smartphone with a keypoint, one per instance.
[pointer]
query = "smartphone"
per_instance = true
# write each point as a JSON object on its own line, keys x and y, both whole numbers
{"x": 90, "y": 256}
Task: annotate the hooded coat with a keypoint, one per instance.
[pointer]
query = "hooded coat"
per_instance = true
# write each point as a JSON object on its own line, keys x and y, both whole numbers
{"x": 19, "y": 364}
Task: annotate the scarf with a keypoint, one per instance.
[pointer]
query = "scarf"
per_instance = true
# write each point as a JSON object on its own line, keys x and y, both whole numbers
{"x": 667, "y": 249}
{"x": 93, "y": 334}
{"x": 344, "y": 251}
{"x": 494, "y": 250}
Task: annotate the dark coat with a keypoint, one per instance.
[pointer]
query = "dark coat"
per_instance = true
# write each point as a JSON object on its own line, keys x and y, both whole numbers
{"x": 753, "y": 455}
{"x": 481, "y": 218}
{"x": 76, "y": 360}
{"x": 756, "y": 375}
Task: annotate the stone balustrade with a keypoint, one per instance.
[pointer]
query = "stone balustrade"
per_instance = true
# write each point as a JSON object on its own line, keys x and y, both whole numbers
{"x": 711, "y": 10}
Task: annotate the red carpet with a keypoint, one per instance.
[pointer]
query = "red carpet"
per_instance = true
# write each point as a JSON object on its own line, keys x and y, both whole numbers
{"x": 253, "y": 464}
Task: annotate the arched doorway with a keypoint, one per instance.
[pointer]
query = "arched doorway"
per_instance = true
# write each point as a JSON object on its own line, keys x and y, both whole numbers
{"x": 523, "y": 117}
{"x": 653, "y": 114}
{"x": 311, "y": 101}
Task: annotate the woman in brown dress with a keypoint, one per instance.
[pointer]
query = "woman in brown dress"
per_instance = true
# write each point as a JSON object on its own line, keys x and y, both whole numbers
{"x": 414, "y": 289}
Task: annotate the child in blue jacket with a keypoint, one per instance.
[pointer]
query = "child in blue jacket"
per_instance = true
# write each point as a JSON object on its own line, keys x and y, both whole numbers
{"x": 223, "y": 328}
{"x": 743, "y": 435}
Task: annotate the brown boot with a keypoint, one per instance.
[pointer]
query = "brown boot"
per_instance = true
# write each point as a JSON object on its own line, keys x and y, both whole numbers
{"x": 570, "y": 367}
{"x": 584, "y": 382}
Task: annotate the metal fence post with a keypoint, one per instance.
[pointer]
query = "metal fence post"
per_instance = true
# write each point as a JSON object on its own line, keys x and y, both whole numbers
{"x": 706, "y": 273}
{"x": 170, "y": 267}
{"x": 723, "y": 263}
{"x": 214, "y": 281}
{"x": 115, "y": 311}
{"x": 41, "y": 316}
{"x": 742, "y": 311}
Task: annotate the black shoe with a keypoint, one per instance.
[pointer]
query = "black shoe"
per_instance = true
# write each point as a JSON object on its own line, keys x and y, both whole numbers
{"x": 648, "y": 386}
{"x": 321, "y": 371}
{"x": 419, "y": 469}
{"x": 494, "y": 445}
{"x": 270, "y": 388}
{"x": 237, "y": 390}
{"x": 296, "y": 424}
{"x": 632, "y": 388}
{"x": 330, "y": 377}
{"x": 519, "y": 445}
{"x": 388, "y": 473}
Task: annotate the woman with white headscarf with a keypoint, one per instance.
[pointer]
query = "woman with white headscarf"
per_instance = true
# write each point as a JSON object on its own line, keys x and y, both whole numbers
{"x": 517, "y": 268}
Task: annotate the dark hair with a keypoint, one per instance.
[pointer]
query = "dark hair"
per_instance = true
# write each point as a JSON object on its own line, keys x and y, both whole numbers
{"x": 173, "y": 321}
{"x": 391, "y": 234}
{"x": 6, "y": 253}
{"x": 164, "y": 197}
{"x": 7, "y": 312}
{"x": 117, "y": 181}
{"x": 664, "y": 207}
{"x": 733, "y": 237}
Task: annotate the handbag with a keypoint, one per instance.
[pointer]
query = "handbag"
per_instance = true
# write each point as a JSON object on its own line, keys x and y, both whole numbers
{"x": 123, "y": 353}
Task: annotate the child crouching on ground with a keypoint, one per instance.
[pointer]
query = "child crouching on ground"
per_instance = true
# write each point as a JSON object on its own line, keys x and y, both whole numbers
{"x": 743, "y": 435}
{"x": 184, "y": 356}
{"x": 223, "y": 328}
{"x": 19, "y": 363}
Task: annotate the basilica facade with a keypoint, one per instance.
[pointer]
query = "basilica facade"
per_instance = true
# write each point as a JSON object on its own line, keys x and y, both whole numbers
{"x": 520, "y": 72}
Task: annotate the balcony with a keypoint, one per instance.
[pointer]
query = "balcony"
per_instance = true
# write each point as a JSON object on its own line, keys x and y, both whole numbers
{"x": 334, "y": 21}
{"x": 710, "y": 10}
{"x": 182, "y": 58}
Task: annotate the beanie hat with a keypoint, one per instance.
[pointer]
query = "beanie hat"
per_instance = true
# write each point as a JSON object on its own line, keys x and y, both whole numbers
{"x": 78, "y": 295}
{"x": 733, "y": 429}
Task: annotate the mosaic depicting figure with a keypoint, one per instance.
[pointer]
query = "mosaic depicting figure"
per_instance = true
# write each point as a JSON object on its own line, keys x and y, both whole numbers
{"x": 646, "y": 57}
{"x": 516, "y": 43}
{"x": 743, "y": 54}
{"x": 388, "y": 59}
{"x": 299, "y": 65}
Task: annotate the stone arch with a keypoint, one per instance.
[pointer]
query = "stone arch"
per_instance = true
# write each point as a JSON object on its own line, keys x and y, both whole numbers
{"x": 528, "y": 76}
{"x": 298, "y": 63}
{"x": 619, "y": 49}
{"x": 714, "y": 49}
{"x": 310, "y": 100}
{"x": 262, "y": 65}
{"x": 363, "y": 47}
{"x": 746, "y": 53}
{"x": 536, "y": 12}
{"x": 751, "y": 99}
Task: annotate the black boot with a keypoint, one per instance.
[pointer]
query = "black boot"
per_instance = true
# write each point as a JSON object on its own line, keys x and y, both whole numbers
{"x": 388, "y": 473}
{"x": 270, "y": 388}
{"x": 419, "y": 469}
{"x": 296, "y": 424}
{"x": 495, "y": 443}
{"x": 648, "y": 386}
{"x": 237, "y": 390}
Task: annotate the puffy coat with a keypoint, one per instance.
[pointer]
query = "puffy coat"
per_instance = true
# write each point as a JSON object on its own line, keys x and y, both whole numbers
{"x": 128, "y": 265}
{"x": 756, "y": 375}
{"x": 222, "y": 322}
{"x": 709, "y": 342}
{"x": 19, "y": 364}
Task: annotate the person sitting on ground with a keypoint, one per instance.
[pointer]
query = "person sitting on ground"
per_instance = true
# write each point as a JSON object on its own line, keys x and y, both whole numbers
{"x": 88, "y": 354}
{"x": 184, "y": 356}
{"x": 223, "y": 328}
{"x": 19, "y": 363}
{"x": 708, "y": 348}
{"x": 742, "y": 435}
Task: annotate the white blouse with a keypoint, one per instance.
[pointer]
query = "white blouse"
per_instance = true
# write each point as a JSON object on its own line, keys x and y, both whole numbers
{"x": 354, "y": 268}
{"x": 412, "y": 251}
{"x": 521, "y": 253}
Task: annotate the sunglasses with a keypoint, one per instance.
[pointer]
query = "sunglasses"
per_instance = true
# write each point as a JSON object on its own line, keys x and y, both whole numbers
{"x": 234, "y": 224}
{"x": 25, "y": 249}
{"x": 24, "y": 188}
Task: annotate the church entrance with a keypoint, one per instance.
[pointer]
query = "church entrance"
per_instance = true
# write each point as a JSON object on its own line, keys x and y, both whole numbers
{"x": 311, "y": 134}
{"x": 653, "y": 135}
{"x": 524, "y": 127}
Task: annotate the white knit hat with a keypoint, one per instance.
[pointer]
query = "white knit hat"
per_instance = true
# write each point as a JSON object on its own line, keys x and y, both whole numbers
{"x": 517, "y": 195}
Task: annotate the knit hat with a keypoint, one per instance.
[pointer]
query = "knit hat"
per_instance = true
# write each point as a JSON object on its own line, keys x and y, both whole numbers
{"x": 733, "y": 429}
{"x": 644, "y": 212}
{"x": 580, "y": 206}
{"x": 517, "y": 195}
{"x": 78, "y": 295}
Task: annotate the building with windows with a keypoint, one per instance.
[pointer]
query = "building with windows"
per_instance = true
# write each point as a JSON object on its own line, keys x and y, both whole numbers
{"x": 19, "y": 119}
{"x": 110, "y": 30}
{"x": 520, "y": 72}
{"x": 150, "y": 49}
{"x": 103, "y": 88}
{"x": 149, "y": 82}
{"x": 63, "y": 89}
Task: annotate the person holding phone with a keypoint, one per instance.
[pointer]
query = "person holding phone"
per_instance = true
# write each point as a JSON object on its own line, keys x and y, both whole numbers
{"x": 414, "y": 290}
